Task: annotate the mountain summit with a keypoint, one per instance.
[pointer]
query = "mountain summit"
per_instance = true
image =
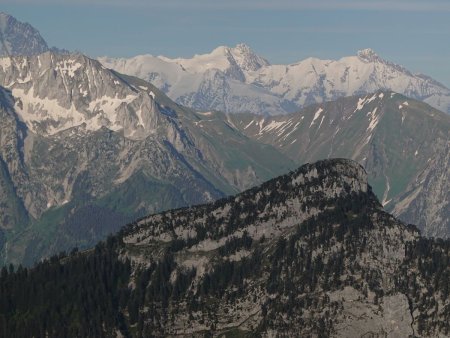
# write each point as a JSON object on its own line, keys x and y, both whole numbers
{"x": 368, "y": 54}
{"x": 246, "y": 58}
{"x": 18, "y": 38}
{"x": 222, "y": 58}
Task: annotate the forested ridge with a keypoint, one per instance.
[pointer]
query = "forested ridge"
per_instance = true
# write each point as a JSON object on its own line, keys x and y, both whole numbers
{"x": 226, "y": 274}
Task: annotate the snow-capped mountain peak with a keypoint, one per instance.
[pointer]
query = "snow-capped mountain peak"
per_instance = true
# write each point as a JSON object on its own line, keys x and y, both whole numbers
{"x": 222, "y": 58}
{"x": 368, "y": 55}
{"x": 247, "y": 59}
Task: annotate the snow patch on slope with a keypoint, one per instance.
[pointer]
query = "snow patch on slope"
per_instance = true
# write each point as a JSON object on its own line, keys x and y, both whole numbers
{"x": 35, "y": 111}
{"x": 316, "y": 116}
{"x": 68, "y": 67}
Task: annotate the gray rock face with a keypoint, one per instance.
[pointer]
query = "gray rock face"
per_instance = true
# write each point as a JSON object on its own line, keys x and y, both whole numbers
{"x": 17, "y": 38}
{"x": 360, "y": 317}
{"x": 12, "y": 166}
{"x": 427, "y": 199}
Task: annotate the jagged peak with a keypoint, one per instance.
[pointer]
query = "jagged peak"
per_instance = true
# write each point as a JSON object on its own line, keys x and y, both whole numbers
{"x": 242, "y": 55}
{"x": 368, "y": 54}
{"x": 239, "y": 47}
{"x": 247, "y": 58}
{"x": 5, "y": 16}
{"x": 242, "y": 46}
{"x": 244, "y": 49}
{"x": 7, "y": 20}
{"x": 19, "y": 38}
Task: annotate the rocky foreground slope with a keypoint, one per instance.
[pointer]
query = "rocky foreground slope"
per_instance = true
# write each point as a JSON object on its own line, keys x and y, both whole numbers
{"x": 311, "y": 253}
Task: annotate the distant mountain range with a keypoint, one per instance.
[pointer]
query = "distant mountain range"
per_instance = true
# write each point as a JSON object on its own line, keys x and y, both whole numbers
{"x": 307, "y": 254}
{"x": 236, "y": 80}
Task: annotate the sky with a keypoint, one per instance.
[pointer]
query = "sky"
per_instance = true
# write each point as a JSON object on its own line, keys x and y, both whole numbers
{"x": 413, "y": 33}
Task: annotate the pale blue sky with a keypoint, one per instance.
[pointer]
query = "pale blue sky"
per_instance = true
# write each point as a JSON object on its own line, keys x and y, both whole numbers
{"x": 413, "y": 33}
